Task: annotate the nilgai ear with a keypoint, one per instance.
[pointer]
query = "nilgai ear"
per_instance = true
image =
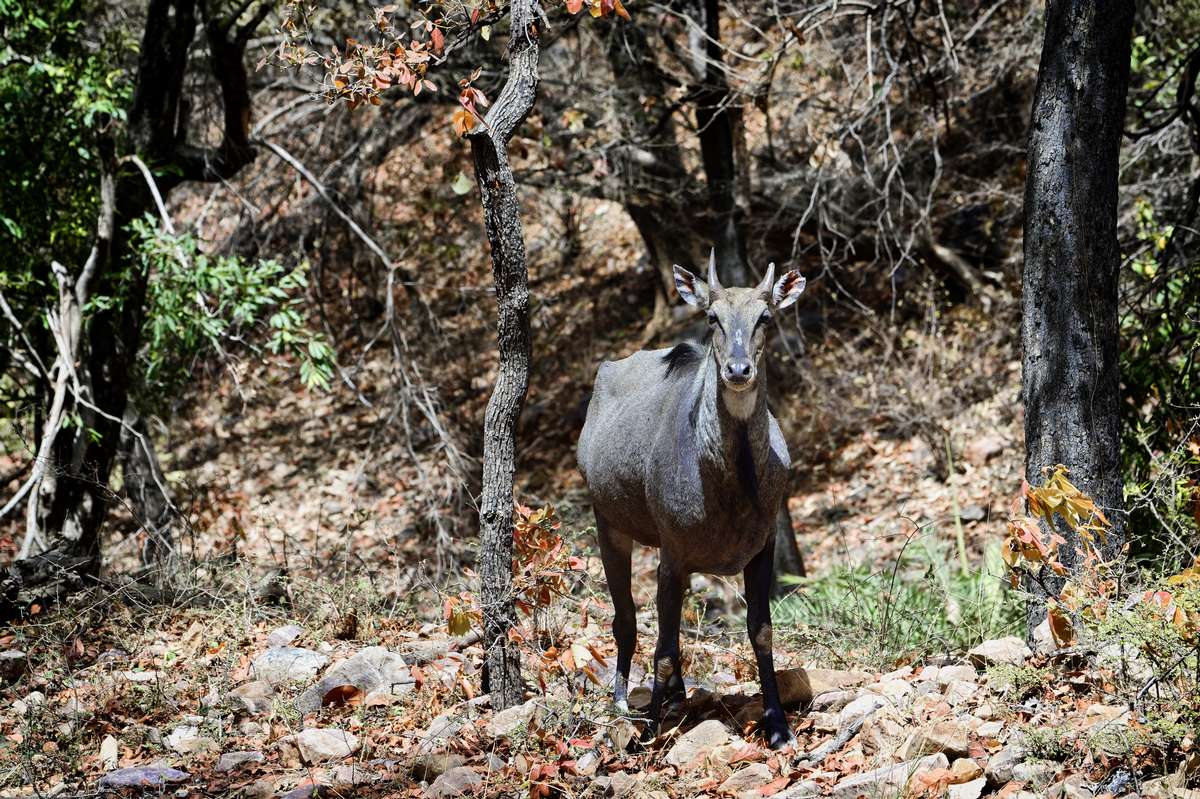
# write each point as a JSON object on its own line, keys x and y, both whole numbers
{"x": 788, "y": 289}
{"x": 692, "y": 289}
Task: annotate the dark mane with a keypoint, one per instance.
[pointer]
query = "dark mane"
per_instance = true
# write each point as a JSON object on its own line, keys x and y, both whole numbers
{"x": 682, "y": 358}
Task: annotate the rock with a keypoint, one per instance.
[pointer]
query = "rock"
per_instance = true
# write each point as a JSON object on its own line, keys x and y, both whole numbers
{"x": 961, "y": 691}
{"x": 990, "y": 729}
{"x": 1043, "y": 639}
{"x": 255, "y": 696}
{"x": 354, "y": 774}
{"x": 621, "y": 783}
{"x": 897, "y": 690}
{"x": 187, "y": 740}
{"x": 439, "y": 731}
{"x": 700, "y": 740}
{"x": 1036, "y": 774}
{"x": 260, "y": 789}
{"x": 283, "y": 664}
{"x": 1074, "y": 787}
{"x": 282, "y": 636}
{"x": 968, "y": 790}
{"x": 619, "y": 733}
{"x": 964, "y": 769}
{"x": 587, "y": 763}
{"x": 801, "y": 790}
{"x": 13, "y": 664}
{"x": 973, "y": 513}
{"x": 1011, "y": 650}
{"x": 832, "y": 701}
{"x": 228, "y": 761}
{"x": 863, "y": 706}
{"x": 142, "y": 777}
{"x": 945, "y": 675}
{"x": 428, "y": 767}
{"x": 372, "y": 670}
{"x": 983, "y": 449}
{"x": 949, "y": 737}
{"x": 999, "y": 768}
{"x": 747, "y": 779}
{"x": 508, "y": 721}
{"x": 888, "y": 781}
{"x": 798, "y": 687}
{"x": 110, "y": 752}
{"x": 455, "y": 782}
{"x": 317, "y": 745}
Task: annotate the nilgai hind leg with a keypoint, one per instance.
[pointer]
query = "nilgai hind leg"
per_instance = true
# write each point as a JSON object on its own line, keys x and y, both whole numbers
{"x": 757, "y": 574}
{"x": 668, "y": 672}
{"x": 616, "y": 552}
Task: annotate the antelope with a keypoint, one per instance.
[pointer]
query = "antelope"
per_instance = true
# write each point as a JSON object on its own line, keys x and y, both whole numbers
{"x": 680, "y": 452}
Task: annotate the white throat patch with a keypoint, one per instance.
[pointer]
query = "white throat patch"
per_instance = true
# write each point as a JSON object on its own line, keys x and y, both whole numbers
{"x": 740, "y": 404}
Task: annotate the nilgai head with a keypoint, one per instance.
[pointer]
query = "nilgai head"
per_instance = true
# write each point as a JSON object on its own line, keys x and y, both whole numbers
{"x": 738, "y": 317}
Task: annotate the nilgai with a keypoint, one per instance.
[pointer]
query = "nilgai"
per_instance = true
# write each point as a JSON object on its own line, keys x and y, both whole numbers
{"x": 680, "y": 452}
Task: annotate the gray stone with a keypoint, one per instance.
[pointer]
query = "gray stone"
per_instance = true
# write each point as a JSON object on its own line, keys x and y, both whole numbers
{"x": 428, "y": 766}
{"x": 983, "y": 449}
{"x": 284, "y": 664}
{"x": 1074, "y": 787}
{"x": 508, "y": 721}
{"x": 354, "y": 774}
{"x": 700, "y": 740}
{"x": 1010, "y": 650}
{"x": 255, "y": 696}
{"x": 455, "y": 782}
{"x": 372, "y": 670}
{"x": 142, "y": 777}
{"x": 439, "y": 731}
{"x": 1035, "y": 774}
{"x": 862, "y": 707}
{"x": 801, "y": 790}
{"x": 317, "y": 745}
{"x": 999, "y": 768}
{"x": 231, "y": 760}
{"x": 747, "y": 779}
{"x": 832, "y": 701}
{"x": 886, "y": 782}
{"x": 187, "y": 740}
{"x": 282, "y": 636}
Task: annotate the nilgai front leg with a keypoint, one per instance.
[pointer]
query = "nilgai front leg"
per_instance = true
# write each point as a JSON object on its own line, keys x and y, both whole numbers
{"x": 758, "y": 575}
{"x": 668, "y": 674}
{"x": 616, "y": 552}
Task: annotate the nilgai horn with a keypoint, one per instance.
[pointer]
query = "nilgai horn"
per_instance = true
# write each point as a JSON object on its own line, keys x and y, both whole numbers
{"x": 680, "y": 453}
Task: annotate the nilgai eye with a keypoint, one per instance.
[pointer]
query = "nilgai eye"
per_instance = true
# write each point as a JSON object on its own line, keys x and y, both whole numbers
{"x": 762, "y": 320}
{"x": 712, "y": 319}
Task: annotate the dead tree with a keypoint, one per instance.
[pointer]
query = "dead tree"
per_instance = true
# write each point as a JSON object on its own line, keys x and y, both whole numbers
{"x": 502, "y": 221}
{"x": 1071, "y": 385}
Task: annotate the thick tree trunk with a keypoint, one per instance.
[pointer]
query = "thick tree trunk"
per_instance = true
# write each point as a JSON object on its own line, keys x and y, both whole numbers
{"x": 716, "y": 119}
{"x": 502, "y": 221}
{"x": 1069, "y": 293}
{"x": 654, "y": 184}
{"x": 146, "y": 489}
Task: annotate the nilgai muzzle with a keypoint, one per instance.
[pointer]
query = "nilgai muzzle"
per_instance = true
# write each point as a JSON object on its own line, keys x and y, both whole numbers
{"x": 680, "y": 452}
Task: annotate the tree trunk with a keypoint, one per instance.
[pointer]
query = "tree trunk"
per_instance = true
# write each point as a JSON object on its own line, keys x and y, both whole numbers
{"x": 654, "y": 184}
{"x": 1069, "y": 291}
{"x": 502, "y": 221}
{"x": 146, "y": 489}
{"x": 717, "y": 124}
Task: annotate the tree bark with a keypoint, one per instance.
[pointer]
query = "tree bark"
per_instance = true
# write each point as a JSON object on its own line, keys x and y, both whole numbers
{"x": 502, "y": 222}
{"x": 716, "y": 119}
{"x": 1069, "y": 291}
{"x": 146, "y": 489}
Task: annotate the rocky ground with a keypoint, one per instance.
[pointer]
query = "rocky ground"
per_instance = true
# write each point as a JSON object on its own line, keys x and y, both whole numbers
{"x": 197, "y": 705}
